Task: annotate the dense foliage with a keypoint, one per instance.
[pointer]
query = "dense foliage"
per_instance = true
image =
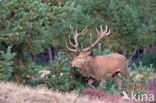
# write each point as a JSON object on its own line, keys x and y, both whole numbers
{"x": 27, "y": 27}
{"x": 131, "y": 22}
{"x": 20, "y": 24}
{"x": 63, "y": 77}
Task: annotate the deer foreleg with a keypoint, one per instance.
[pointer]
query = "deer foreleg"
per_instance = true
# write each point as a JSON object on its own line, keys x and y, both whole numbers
{"x": 118, "y": 80}
{"x": 90, "y": 83}
{"x": 102, "y": 81}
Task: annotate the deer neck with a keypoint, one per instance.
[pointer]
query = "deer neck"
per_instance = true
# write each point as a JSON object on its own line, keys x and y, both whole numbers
{"x": 89, "y": 67}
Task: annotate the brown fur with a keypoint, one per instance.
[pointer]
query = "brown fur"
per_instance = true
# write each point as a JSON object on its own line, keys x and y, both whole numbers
{"x": 101, "y": 67}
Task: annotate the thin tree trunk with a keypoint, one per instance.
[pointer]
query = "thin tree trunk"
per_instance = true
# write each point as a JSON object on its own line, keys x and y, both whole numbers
{"x": 50, "y": 54}
{"x": 131, "y": 57}
{"x": 145, "y": 51}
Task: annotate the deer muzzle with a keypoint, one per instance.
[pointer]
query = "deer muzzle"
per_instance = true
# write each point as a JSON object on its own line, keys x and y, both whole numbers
{"x": 70, "y": 64}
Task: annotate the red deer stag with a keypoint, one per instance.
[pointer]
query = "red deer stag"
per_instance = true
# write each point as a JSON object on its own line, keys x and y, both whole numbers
{"x": 97, "y": 67}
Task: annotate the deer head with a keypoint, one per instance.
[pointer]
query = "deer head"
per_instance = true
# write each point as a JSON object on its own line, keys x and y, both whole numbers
{"x": 83, "y": 55}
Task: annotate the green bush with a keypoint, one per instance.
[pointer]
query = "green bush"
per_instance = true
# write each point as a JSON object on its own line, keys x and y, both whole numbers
{"x": 11, "y": 71}
{"x": 6, "y": 64}
{"x": 21, "y": 22}
{"x": 139, "y": 74}
{"x": 62, "y": 77}
{"x": 131, "y": 22}
{"x": 147, "y": 59}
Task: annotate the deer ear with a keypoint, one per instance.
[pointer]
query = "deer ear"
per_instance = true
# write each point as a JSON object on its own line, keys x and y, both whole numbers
{"x": 87, "y": 53}
{"x": 77, "y": 53}
{"x": 92, "y": 53}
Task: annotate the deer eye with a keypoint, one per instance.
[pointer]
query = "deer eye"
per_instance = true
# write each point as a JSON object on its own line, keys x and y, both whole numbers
{"x": 80, "y": 57}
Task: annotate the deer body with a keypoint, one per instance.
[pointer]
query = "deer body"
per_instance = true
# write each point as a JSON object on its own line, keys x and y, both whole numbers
{"x": 112, "y": 63}
{"x": 98, "y": 67}
{"x": 101, "y": 67}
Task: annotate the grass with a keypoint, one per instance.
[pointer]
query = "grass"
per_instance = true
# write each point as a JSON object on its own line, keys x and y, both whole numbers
{"x": 15, "y": 93}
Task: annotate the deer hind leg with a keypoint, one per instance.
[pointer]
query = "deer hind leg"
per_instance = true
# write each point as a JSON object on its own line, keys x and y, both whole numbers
{"x": 118, "y": 80}
{"x": 101, "y": 82}
{"x": 90, "y": 83}
{"x": 126, "y": 75}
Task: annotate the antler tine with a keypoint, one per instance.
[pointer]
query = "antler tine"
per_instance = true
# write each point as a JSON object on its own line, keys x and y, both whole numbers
{"x": 91, "y": 38}
{"x": 85, "y": 30}
{"x": 73, "y": 32}
{"x": 70, "y": 42}
{"x": 101, "y": 31}
{"x": 75, "y": 37}
{"x": 101, "y": 34}
{"x": 108, "y": 32}
{"x": 97, "y": 31}
{"x": 71, "y": 28}
{"x": 104, "y": 32}
{"x": 73, "y": 50}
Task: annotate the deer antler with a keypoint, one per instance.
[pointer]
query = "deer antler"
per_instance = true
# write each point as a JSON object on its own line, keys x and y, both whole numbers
{"x": 101, "y": 34}
{"x": 75, "y": 37}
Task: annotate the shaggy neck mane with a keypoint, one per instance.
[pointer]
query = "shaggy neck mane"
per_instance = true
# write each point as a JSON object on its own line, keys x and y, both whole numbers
{"x": 88, "y": 67}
